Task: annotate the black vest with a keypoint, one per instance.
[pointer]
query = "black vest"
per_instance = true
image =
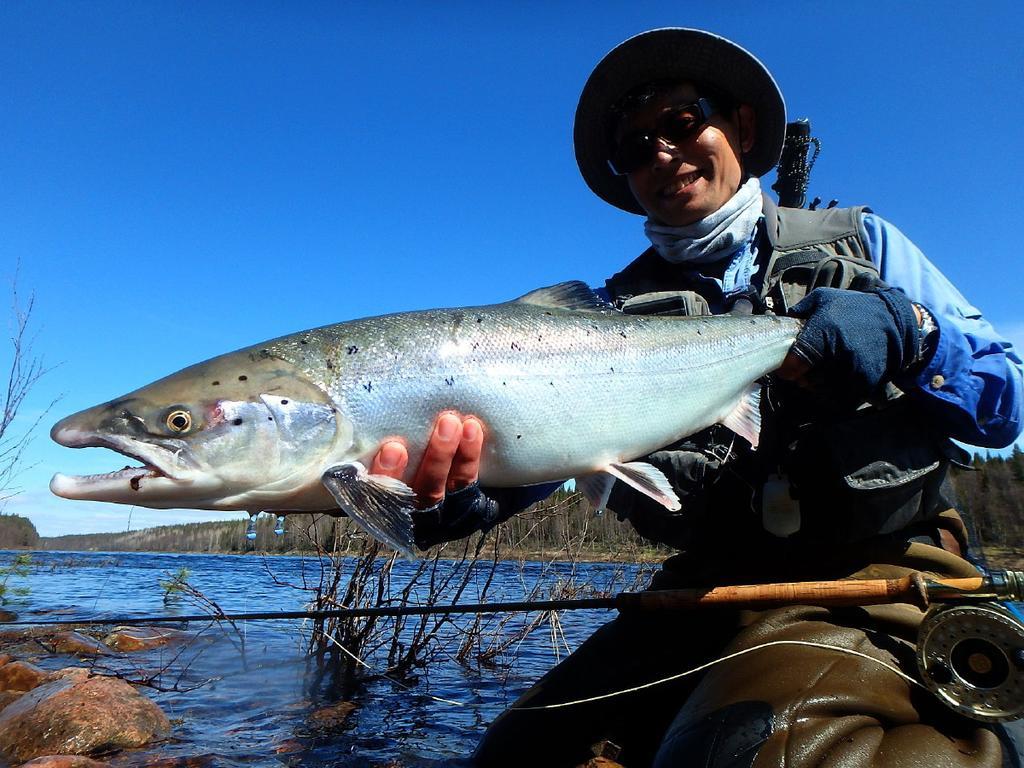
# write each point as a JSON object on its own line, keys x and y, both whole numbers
{"x": 820, "y": 475}
{"x": 805, "y": 250}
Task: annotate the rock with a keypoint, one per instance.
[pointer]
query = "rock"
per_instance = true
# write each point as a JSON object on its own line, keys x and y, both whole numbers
{"x": 289, "y": 747}
{"x": 4, "y": 658}
{"x": 64, "y": 761}
{"x": 193, "y": 761}
{"x": 143, "y": 638}
{"x": 80, "y": 645}
{"x": 21, "y": 676}
{"x": 6, "y": 697}
{"x": 63, "y": 717}
{"x": 7, "y": 616}
{"x": 334, "y": 716}
{"x": 75, "y": 674}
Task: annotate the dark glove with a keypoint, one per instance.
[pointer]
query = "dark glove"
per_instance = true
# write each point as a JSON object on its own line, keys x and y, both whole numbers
{"x": 855, "y": 341}
{"x": 461, "y": 513}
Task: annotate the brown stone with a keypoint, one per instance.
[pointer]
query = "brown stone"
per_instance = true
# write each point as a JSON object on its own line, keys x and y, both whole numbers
{"x": 127, "y": 639}
{"x": 6, "y": 697}
{"x": 75, "y": 674}
{"x": 334, "y": 716}
{"x": 7, "y": 616}
{"x": 21, "y": 676}
{"x": 4, "y": 658}
{"x": 63, "y": 717}
{"x": 79, "y": 645}
{"x": 64, "y": 761}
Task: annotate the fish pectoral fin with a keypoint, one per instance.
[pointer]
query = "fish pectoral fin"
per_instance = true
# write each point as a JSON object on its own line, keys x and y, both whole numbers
{"x": 745, "y": 418}
{"x": 596, "y": 488}
{"x": 378, "y": 504}
{"x": 648, "y": 480}
{"x": 573, "y": 294}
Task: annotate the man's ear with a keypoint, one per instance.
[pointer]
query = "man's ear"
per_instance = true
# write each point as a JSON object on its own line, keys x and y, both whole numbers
{"x": 748, "y": 127}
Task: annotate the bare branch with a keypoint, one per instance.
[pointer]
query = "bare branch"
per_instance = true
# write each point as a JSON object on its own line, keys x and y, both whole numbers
{"x": 26, "y": 368}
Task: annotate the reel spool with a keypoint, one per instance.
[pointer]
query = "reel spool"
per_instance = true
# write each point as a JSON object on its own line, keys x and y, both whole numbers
{"x": 972, "y": 658}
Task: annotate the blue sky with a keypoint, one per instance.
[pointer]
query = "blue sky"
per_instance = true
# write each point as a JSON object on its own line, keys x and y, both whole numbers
{"x": 180, "y": 180}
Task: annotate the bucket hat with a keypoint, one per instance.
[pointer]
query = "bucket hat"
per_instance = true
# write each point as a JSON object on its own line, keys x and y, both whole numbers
{"x": 674, "y": 53}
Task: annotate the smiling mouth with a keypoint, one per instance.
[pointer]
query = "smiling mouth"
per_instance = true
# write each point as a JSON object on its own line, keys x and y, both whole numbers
{"x": 678, "y": 184}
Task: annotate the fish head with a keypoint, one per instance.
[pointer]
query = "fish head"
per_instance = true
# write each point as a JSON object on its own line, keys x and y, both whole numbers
{"x": 237, "y": 432}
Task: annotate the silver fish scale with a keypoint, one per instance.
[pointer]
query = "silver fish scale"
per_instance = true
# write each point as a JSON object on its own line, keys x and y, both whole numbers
{"x": 561, "y": 392}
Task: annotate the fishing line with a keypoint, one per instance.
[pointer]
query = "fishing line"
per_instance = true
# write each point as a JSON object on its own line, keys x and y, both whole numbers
{"x": 744, "y": 652}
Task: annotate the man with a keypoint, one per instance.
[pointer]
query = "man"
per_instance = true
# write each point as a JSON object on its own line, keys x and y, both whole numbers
{"x": 677, "y": 125}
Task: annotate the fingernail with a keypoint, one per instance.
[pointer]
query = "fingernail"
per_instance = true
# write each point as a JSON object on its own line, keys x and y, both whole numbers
{"x": 448, "y": 427}
{"x": 390, "y": 455}
{"x": 471, "y": 430}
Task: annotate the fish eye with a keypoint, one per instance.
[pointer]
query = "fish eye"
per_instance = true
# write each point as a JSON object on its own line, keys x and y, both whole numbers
{"x": 179, "y": 421}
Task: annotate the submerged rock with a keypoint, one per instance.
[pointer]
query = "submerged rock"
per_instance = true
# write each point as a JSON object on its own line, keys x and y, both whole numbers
{"x": 192, "y": 761}
{"x": 21, "y": 676}
{"x": 80, "y": 645}
{"x": 329, "y": 718}
{"x": 64, "y": 717}
{"x": 143, "y": 638}
{"x": 64, "y": 761}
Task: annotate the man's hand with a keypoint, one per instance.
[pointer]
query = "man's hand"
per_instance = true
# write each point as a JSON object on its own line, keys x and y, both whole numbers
{"x": 450, "y": 462}
{"x": 452, "y": 504}
{"x": 853, "y": 341}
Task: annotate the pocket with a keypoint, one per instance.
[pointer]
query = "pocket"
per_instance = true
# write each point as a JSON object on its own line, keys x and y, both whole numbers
{"x": 874, "y": 473}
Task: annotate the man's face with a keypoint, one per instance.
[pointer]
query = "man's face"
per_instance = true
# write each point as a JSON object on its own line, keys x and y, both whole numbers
{"x": 683, "y": 184}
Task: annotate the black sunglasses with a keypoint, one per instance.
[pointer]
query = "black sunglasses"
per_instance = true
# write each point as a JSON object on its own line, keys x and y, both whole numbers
{"x": 675, "y": 125}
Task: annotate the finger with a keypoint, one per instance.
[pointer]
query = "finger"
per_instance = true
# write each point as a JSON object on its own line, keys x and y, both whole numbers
{"x": 466, "y": 464}
{"x": 391, "y": 460}
{"x": 432, "y": 474}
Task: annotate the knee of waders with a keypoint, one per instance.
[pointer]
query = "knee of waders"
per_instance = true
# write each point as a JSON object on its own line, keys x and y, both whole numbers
{"x": 729, "y": 737}
{"x": 1012, "y": 741}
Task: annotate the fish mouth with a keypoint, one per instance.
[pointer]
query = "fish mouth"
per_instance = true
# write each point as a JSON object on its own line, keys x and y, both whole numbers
{"x": 158, "y": 463}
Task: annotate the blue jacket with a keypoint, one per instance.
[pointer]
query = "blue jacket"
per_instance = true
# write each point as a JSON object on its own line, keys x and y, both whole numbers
{"x": 973, "y": 383}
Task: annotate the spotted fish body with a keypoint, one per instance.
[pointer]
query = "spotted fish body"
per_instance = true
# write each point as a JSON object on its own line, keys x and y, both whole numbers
{"x": 564, "y": 386}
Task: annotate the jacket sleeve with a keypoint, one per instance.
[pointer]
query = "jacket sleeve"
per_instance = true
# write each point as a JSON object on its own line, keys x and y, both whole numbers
{"x": 974, "y": 381}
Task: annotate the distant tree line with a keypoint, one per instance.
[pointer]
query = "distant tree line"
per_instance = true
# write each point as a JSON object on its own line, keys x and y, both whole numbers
{"x": 17, "y": 532}
{"x": 991, "y": 492}
{"x": 562, "y": 522}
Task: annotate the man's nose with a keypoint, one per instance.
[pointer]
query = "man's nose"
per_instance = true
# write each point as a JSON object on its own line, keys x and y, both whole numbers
{"x": 664, "y": 153}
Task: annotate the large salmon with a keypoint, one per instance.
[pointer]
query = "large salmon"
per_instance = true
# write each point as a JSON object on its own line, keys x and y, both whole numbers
{"x": 564, "y": 385}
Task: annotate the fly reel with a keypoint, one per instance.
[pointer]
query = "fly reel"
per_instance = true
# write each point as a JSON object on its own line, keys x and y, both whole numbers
{"x": 971, "y": 656}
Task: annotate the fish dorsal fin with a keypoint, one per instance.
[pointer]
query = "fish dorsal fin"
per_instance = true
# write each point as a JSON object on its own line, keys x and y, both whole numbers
{"x": 574, "y": 294}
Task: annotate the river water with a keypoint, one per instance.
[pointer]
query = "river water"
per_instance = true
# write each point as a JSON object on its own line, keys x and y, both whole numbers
{"x": 245, "y": 697}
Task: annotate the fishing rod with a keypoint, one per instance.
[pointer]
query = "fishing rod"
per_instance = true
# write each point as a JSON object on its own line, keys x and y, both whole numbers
{"x": 915, "y": 588}
{"x": 970, "y": 647}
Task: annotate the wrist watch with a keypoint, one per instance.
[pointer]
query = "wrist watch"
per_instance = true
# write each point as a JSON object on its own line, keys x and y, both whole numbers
{"x": 927, "y": 333}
